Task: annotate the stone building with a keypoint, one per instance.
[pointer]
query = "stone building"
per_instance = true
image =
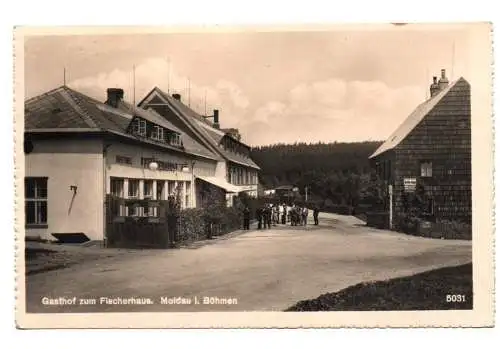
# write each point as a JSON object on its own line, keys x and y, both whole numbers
{"x": 429, "y": 155}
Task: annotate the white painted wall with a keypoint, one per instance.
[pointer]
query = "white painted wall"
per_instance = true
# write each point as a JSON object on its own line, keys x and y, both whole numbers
{"x": 202, "y": 167}
{"x": 81, "y": 163}
{"x": 221, "y": 170}
{"x": 66, "y": 163}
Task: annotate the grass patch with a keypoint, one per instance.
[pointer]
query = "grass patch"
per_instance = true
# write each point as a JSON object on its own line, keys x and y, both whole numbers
{"x": 424, "y": 291}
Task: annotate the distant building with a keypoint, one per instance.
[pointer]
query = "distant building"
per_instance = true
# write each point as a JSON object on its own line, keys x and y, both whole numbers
{"x": 431, "y": 150}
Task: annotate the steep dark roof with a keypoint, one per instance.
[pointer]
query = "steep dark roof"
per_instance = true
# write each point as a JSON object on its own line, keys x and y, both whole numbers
{"x": 64, "y": 108}
{"x": 149, "y": 115}
{"x": 204, "y": 128}
{"x": 413, "y": 120}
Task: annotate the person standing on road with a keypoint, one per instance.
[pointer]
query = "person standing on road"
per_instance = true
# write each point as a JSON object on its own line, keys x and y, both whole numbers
{"x": 293, "y": 214}
{"x": 267, "y": 217}
{"x": 259, "y": 214}
{"x": 274, "y": 215}
{"x": 246, "y": 218}
{"x": 316, "y": 214}
{"x": 305, "y": 214}
{"x": 282, "y": 212}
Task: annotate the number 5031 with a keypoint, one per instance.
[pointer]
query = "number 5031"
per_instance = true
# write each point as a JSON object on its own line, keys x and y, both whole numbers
{"x": 455, "y": 298}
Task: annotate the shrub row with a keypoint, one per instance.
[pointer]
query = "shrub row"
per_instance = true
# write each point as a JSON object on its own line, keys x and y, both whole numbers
{"x": 441, "y": 229}
{"x": 199, "y": 224}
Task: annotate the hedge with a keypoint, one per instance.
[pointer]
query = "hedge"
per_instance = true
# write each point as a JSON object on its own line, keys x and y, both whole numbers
{"x": 442, "y": 229}
{"x": 199, "y": 224}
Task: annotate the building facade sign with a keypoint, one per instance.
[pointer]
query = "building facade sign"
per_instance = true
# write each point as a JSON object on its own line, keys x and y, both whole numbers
{"x": 410, "y": 184}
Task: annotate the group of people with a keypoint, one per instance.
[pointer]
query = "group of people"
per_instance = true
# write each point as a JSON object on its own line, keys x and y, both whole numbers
{"x": 270, "y": 214}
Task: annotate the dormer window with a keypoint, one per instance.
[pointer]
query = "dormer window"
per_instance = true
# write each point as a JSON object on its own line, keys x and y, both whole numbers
{"x": 175, "y": 139}
{"x": 157, "y": 133}
{"x": 139, "y": 127}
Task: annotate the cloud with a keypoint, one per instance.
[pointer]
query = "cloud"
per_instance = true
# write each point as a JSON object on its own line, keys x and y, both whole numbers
{"x": 333, "y": 110}
{"x": 224, "y": 95}
{"x": 324, "y": 110}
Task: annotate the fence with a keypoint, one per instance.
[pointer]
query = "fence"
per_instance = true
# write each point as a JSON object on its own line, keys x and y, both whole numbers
{"x": 140, "y": 223}
{"x": 159, "y": 224}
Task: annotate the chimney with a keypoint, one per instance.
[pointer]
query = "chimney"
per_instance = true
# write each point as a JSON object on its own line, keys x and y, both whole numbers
{"x": 177, "y": 96}
{"x": 434, "y": 87}
{"x": 216, "y": 118}
{"x": 234, "y": 132}
{"x": 443, "y": 82}
{"x": 115, "y": 95}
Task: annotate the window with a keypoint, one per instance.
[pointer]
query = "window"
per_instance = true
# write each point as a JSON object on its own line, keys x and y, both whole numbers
{"x": 35, "y": 191}
{"x": 231, "y": 175}
{"x": 157, "y": 133}
{"x": 160, "y": 185}
{"x": 133, "y": 210}
{"x": 117, "y": 187}
{"x": 139, "y": 127}
{"x": 426, "y": 169}
{"x": 148, "y": 189}
{"x": 430, "y": 206}
{"x": 133, "y": 188}
{"x": 171, "y": 188}
{"x": 123, "y": 160}
{"x": 175, "y": 139}
{"x": 188, "y": 194}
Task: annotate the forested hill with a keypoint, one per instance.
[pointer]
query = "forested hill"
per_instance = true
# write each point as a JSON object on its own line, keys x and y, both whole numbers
{"x": 324, "y": 167}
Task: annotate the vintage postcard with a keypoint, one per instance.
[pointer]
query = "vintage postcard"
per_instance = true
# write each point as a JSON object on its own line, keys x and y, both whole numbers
{"x": 313, "y": 176}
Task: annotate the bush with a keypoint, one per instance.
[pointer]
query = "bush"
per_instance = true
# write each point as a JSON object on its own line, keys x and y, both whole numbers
{"x": 408, "y": 224}
{"x": 444, "y": 229}
{"x": 378, "y": 220}
{"x": 201, "y": 223}
{"x": 192, "y": 225}
{"x": 231, "y": 220}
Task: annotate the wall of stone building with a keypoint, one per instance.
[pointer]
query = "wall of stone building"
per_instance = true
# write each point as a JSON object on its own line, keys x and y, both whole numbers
{"x": 443, "y": 137}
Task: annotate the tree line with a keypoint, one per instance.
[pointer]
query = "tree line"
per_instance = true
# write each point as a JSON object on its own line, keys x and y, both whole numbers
{"x": 334, "y": 173}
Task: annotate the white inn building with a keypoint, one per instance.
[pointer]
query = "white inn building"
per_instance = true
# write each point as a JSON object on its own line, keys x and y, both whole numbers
{"x": 78, "y": 150}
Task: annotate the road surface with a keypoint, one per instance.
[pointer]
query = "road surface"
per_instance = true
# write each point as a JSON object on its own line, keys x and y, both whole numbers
{"x": 259, "y": 270}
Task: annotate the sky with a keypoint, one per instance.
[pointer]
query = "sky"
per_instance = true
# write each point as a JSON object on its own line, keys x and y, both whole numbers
{"x": 343, "y": 84}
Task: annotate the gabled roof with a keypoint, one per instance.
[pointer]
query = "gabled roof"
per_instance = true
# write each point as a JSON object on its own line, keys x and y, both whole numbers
{"x": 65, "y": 109}
{"x": 284, "y": 187}
{"x": 146, "y": 114}
{"x": 413, "y": 120}
{"x": 202, "y": 127}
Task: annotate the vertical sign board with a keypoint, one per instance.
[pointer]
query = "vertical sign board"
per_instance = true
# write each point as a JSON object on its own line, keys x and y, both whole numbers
{"x": 390, "y": 206}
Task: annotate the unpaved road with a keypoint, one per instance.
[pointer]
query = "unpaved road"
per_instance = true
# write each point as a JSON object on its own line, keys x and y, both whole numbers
{"x": 259, "y": 270}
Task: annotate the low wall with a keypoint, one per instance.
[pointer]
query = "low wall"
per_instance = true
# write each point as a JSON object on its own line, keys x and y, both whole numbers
{"x": 437, "y": 230}
{"x": 378, "y": 220}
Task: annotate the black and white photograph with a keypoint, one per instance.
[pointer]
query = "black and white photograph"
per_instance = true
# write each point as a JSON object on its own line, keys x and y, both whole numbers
{"x": 302, "y": 172}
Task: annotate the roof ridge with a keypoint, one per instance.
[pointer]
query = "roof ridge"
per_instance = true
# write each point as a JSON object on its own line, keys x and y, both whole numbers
{"x": 78, "y": 107}
{"x": 38, "y": 97}
{"x": 401, "y": 131}
{"x": 186, "y": 119}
